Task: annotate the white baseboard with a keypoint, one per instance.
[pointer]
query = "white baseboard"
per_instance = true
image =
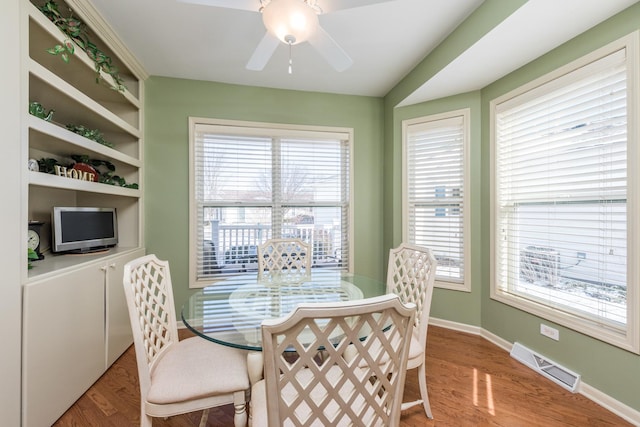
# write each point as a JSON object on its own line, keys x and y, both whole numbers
{"x": 608, "y": 402}
{"x": 475, "y": 330}
{"x": 623, "y": 411}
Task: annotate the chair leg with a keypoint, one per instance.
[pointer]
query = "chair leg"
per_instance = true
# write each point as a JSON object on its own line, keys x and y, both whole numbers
{"x": 145, "y": 420}
{"x": 240, "y": 407}
{"x": 204, "y": 418}
{"x": 424, "y": 395}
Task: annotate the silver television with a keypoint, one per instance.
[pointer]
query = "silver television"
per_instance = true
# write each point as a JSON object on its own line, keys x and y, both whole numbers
{"x": 83, "y": 229}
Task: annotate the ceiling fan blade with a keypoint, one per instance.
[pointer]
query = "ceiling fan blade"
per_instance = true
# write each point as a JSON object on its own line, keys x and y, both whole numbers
{"x": 330, "y": 50}
{"x": 252, "y": 5}
{"x": 263, "y": 52}
{"x": 333, "y": 5}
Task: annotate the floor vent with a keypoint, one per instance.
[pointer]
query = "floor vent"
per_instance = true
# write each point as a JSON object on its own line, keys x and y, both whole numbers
{"x": 550, "y": 369}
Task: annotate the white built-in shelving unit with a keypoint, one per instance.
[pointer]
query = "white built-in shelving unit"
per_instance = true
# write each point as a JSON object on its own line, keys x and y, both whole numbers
{"x": 75, "y": 322}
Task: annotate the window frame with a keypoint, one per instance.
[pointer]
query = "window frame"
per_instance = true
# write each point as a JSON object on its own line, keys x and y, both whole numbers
{"x": 465, "y": 284}
{"x": 276, "y": 130}
{"x": 628, "y": 339}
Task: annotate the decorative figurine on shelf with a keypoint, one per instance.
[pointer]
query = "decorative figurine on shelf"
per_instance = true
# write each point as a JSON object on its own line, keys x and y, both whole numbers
{"x": 36, "y": 109}
{"x": 31, "y": 256}
{"x": 33, "y": 237}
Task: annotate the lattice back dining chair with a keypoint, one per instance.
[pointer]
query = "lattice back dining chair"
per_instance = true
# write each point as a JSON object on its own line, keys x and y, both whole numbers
{"x": 311, "y": 377}
{"x": 277, "y": 256}
{"x": 175, "y": 376}
{"x": 411, "y": 275}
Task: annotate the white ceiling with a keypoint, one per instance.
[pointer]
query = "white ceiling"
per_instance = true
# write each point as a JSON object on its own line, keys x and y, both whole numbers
{"x": 386, "y": 41}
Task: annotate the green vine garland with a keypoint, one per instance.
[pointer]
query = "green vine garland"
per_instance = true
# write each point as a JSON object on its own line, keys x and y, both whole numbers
{"x": 77, "y": 33}
{"x": 92, "y": 134}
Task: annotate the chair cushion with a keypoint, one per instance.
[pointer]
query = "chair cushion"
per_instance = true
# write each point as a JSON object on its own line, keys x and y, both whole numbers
{"x": 195, "y": 368}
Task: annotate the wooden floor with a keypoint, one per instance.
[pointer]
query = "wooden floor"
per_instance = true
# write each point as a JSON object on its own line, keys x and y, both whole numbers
{"x": 471, "y": 383}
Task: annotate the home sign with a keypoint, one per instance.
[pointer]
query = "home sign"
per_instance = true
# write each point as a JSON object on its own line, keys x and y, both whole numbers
{"x": 79, "y": 171}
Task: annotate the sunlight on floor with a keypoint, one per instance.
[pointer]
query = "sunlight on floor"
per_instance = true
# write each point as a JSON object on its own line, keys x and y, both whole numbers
{"x": 490, "y": 405}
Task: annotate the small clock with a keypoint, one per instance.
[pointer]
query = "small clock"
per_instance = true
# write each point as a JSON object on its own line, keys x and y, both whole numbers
{"x": 33, "y": 237}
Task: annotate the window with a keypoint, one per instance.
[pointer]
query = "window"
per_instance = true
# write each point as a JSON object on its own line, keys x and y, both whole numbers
{"x": 435, "y": 200}
{"x": 565, "y": 196}
{"x": 253, "y": 181}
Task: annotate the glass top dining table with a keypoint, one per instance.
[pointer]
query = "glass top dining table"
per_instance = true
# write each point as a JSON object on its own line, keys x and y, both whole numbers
{"x": 230, "y": 311}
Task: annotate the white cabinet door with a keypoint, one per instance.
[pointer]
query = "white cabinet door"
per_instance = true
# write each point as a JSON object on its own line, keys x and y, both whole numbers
{"x": 119, "y": 336}
{"x": 63, "y": 342}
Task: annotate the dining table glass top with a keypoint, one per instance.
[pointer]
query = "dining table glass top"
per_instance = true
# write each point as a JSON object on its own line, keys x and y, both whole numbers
{"x": 230, "y": 311}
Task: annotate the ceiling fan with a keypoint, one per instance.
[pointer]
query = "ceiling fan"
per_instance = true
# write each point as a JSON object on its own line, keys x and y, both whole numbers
{"x": 292, "y": 22}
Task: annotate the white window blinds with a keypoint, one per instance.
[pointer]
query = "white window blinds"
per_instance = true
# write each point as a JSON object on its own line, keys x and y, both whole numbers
{"x": 561, "y": 184}
{"x": 435, "y": 191}
{"x": 253, "y": 183}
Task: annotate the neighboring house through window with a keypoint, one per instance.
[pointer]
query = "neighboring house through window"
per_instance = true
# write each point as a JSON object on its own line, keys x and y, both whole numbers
{"x": 254, "y": 181}
{"x": 565, "y": 195}
{"x": 435, "y": 200}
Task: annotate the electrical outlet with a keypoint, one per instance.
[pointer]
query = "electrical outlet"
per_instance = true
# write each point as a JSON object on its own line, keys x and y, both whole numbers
{"x": 550, "y": 332}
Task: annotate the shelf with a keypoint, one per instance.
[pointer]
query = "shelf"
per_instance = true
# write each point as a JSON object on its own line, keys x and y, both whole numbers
{"x": 44, "y": 35}
{"x": 55, "y": 181}
{"x": 56, "y": 140}
{"x": 54, "y": 264}
{"x": 71, "y": 105}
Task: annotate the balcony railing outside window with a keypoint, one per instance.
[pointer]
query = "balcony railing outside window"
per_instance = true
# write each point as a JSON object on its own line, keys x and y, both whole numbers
{"x": 233, "y": 248}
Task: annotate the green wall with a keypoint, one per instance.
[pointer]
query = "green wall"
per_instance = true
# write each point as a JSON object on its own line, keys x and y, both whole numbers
{"x": 609, "y": 369}
{"x": 169, "y": 104}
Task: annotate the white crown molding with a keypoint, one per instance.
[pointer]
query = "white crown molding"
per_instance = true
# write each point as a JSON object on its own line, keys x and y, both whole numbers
{"x": 628, "y": 413}
{"x": 85, "y": 10}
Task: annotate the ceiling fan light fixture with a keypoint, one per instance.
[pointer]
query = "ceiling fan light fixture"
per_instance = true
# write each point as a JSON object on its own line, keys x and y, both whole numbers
{"x": 291, "y": 21}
